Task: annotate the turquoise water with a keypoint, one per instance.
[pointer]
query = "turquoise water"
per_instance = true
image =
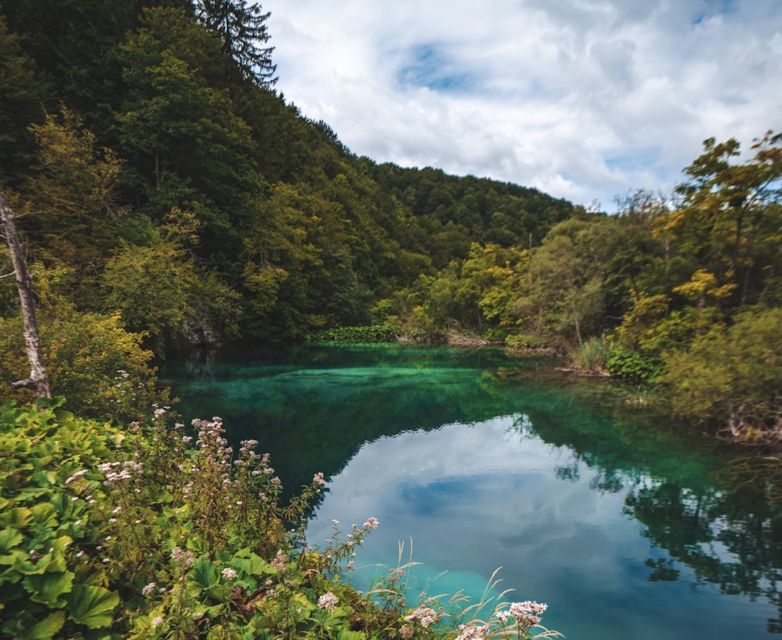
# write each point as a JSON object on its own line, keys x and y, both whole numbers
{"x": 627, "y": 526}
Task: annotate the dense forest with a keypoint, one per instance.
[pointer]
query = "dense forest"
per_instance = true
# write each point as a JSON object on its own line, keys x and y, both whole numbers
{"x": 168, "y": 196}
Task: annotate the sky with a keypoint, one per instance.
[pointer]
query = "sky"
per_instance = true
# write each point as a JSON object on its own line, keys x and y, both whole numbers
{"x": 583, "y": 99}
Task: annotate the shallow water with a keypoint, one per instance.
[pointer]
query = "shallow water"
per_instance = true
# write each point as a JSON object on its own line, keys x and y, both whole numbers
{"x": 627, "y": 526}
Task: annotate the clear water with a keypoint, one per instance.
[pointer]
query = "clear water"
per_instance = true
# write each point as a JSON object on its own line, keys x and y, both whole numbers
{"x": 627, "y": 526}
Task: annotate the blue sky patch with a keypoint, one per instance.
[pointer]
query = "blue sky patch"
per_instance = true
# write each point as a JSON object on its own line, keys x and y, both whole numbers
{"x": 429, "y": 66}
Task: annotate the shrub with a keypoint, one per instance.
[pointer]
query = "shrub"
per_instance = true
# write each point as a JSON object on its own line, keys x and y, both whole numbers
{"x": 732, "y": 377}
{"x": 632, "y": 366}
{"x": 496, "y": 334}
{"x": 51, "y": 579}
{"x": 591, "y": 355}
{"x": 91, "y": 359}
{"x": 525, "y": 341}
{"x": 386, "y": 332}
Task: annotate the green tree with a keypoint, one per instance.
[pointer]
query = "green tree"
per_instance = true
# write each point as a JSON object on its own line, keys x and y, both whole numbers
{"x": 178, "y": 127}
{"x": 728, "y": 223}
{"x": 299, "y": 267}
{"x": 563, "y": 293}
{"x": 102, "y": 369}
{"x": 161, "y": 293}
{"x": 732, "y": 377}
{"x": 243, "y": 31}
{"x": 72, "y": 202}
{"x": 24, "y": 94}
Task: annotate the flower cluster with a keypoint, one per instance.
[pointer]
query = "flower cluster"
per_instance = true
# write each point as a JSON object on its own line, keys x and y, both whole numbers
{"x": 328, "y": 601}
{"x": 426, "y": 616}
{"x": 527, "y": 613}
{"x": 279, "y": 560}
{"x": 182, "y": 558}
{"x": 470, "y": 632}
{"x": 120, "y": 471}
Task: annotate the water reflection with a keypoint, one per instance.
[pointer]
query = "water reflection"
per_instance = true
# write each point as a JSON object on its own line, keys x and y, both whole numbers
{"x": 620, "y": 523}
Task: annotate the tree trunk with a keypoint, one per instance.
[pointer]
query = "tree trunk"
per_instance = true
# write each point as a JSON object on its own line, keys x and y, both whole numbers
{"x": 38, "y": 379}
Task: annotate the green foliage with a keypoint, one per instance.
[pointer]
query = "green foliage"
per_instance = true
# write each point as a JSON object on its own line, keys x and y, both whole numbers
{"x": 160, "y": 292}
{"x": 387, "y": 332}
{"x": 632, "y": 366}
{"x": 50, "y": 578}
{"x": 23, "y": 96}
{"x": 526, "y": 342}
{"x": 242, "y": 29}
{"x": 90, "y": 358}
{"x": 732, "y": 377}
{"x": 138, "y": 535}
{"x": 591, "y": 355}
{"x": 73, "y": 203}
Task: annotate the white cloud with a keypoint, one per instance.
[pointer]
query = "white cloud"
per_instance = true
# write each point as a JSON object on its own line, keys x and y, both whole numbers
{"x": 582, "y": 98}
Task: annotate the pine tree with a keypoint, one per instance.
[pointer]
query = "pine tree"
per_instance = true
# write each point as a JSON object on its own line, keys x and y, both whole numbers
{"x": 242, "y": 28}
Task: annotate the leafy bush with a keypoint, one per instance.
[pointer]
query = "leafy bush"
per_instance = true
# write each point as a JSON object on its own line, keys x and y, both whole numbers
{"x": 91, "y": 359}
{"x": 495, "y": 334}
{"x": 632, "y": 366}
{"x": 51, "y": 579}
{"x": 386, "y": 332}
{"x": 733, "y": 377}
{"x": 161, "y": 293}
{"x": 138, "y": 535}
{"x": 525, "y": 341}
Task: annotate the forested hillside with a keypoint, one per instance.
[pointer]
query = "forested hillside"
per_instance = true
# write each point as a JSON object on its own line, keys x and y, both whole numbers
{"x": 168, "y": 195}
{"x": 161, "y": 179}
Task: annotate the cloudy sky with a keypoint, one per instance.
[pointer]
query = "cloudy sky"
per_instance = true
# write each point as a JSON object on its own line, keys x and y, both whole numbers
{"x": 584, "y": 99}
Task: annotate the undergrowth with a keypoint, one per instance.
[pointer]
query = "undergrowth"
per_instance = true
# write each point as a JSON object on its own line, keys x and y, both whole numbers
{"x": 164, "y": 531}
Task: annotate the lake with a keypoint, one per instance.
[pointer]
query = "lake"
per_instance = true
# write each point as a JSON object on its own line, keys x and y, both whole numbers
{"x": 627, "y": 525}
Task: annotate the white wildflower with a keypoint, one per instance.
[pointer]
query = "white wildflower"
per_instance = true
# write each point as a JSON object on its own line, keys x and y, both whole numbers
{"x": 76, "y": 476}
{"x": 426, "y": 616}
{"x": 528, "y": 613}
{"x": 279, "y": 560}
{"x": 228, "y": 573}
{"x": 328, "y": 601}
{"x": 467, "y": 632}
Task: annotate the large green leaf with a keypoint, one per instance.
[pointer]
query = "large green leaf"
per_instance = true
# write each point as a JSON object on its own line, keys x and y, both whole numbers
{"x": 9, "y": 538}
{"x": 204, "y": 573}
{"x": 46, "y": 628}
{"x": 17, "y": 517}
{"x": 44, "y": 515}
{"x": 253, "y": 565}
{"x": 92, "y": 606}
{"x": 49, "y": 588}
